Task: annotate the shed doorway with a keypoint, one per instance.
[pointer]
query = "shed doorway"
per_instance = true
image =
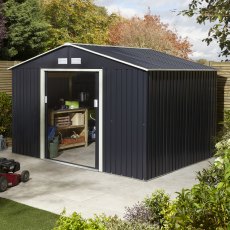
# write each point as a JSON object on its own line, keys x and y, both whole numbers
{"x": 72, "y": 117}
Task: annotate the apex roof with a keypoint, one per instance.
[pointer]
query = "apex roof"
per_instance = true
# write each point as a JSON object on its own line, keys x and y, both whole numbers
{"x": 142, "y": 58}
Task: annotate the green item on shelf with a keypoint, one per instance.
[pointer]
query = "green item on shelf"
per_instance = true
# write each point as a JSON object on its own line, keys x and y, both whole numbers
{"x": 72, "y": 104}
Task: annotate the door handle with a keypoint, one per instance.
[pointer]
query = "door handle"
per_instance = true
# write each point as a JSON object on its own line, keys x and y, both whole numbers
{"x": 95, "y": 103}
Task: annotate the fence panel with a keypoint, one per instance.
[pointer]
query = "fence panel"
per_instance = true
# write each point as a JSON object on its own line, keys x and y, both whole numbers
{"x": 6, "y": 76}
{"x": 223, "y": 87}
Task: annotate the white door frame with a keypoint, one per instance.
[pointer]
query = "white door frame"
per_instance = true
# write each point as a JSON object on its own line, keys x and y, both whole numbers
{"x": 43, "y": 101}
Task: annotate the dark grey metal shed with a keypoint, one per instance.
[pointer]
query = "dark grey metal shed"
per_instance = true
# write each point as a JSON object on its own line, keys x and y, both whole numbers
{"x": 157, "y": 113}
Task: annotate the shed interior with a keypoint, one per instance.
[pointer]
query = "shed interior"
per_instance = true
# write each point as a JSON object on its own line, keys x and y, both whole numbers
{"x": 71, "y": 117}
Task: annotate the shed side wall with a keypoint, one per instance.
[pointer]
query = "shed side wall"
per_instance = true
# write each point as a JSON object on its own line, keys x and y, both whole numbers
{"x": 181, "y": 122}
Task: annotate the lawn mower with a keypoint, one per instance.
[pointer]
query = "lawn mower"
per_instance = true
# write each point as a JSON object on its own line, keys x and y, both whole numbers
{"x": 8, "y": 177}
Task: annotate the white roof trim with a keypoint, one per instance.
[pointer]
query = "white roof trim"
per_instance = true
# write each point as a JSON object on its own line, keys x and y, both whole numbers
{"x": 109, "y": 57}
{"x": 182, "y": 70}
{"x": 49, "y": 51}
{"x": 82, "y": 48}
{"x": 106, "y": 56}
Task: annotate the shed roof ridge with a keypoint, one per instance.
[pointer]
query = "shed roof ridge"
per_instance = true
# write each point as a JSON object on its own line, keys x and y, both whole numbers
{"x": 113, "y": 46}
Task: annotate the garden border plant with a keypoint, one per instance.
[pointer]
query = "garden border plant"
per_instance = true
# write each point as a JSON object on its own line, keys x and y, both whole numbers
{"x": 5, "y": 114}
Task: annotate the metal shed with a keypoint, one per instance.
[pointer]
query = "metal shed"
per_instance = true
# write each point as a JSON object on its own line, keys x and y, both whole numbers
{"x": 155, "y": 112}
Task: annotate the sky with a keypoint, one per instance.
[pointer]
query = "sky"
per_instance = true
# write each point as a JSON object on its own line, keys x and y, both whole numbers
{"x": 185, "y": 27}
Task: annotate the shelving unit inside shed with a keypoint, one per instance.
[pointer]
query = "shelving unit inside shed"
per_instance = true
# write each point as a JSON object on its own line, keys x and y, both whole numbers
{"x": 72, "y": 127}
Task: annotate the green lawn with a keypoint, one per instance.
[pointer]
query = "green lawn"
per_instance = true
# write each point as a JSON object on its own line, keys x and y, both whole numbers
{"x": 15, "y": 216}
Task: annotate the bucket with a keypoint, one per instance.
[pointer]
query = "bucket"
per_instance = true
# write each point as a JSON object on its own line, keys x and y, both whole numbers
{"x": 53, "y": 148}
{"x": 2, "y": 143}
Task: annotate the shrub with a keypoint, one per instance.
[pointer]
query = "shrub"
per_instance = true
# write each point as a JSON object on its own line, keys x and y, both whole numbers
{"x": 98, "y": 222}
{"x": 207, "y": 204}
{"x": 210, "y": 176}
{"x": 102, "y": 222}
{"x": 224, "y": 133}
{"x": 74, "y": 222}
{"x": 77, "y": 222}
{"x": 115, "y": 223}
{"x": 158, "y": 202}
{"x": 5, "y": 114}
{"x": 202, "y": 207}
{"x": 138, "y": 213}
{"x": 151, "y": 211}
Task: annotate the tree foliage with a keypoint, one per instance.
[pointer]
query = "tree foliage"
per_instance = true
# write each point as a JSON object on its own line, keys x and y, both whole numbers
{"x": 218, "y": 13}
{"x": 5, "y": 114}
{"x": 34, "y": 26}
{"x": 26, "y": 29}
{"x": 2, "y": 24}
{"x": 149, "y": 32}
{"x": 76, "y": 21}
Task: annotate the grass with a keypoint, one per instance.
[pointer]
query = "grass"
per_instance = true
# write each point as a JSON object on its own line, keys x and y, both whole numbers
{"x": 16, "y": 216}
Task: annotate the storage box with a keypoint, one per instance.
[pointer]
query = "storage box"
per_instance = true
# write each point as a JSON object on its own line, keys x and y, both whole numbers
{"x": 78, "y": 119}
{"x": 62, "y": 121}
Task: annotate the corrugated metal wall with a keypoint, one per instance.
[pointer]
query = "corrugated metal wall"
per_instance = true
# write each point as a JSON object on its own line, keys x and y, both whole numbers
{"x": 125, "y": 114}
{"x": 182, "y": 116}
{"x": 26, "y": 112}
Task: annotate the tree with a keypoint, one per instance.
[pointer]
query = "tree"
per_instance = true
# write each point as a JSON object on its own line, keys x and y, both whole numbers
{"x": 148, "y": 32}
{"x": 76, "y": 21}
{"x": 6, "y": 114}
{"x": 27, "y": 31}
{"x": 217, "y": 12}
{"x": 2, "y": 24}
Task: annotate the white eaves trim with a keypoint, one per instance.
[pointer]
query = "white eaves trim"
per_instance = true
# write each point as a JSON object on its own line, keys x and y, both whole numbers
{"x": 106, "y": 56}
{"x": 109, "y": 57}
{"x": 79, "y": 47}
{"x": 49, "y": 51}
{"x": 181, "y": 70}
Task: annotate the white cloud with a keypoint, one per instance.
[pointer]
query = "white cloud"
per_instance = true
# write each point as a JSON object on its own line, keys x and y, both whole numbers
{"x": 125, "y": 12}
{"x": 187, "y": 27}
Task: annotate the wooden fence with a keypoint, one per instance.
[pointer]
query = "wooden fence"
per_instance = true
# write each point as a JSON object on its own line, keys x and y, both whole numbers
{"x": 6, "y": 76}
{"x": 223, "y": 87}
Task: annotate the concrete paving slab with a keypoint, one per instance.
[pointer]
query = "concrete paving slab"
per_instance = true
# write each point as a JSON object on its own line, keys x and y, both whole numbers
{"x": 55, "y": 186}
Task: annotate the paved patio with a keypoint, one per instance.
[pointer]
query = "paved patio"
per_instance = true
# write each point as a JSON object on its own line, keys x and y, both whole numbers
{"x": 55, "y": 186}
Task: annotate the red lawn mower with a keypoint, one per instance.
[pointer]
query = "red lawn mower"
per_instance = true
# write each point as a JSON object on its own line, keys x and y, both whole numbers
{"x": 8, "y": 177}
